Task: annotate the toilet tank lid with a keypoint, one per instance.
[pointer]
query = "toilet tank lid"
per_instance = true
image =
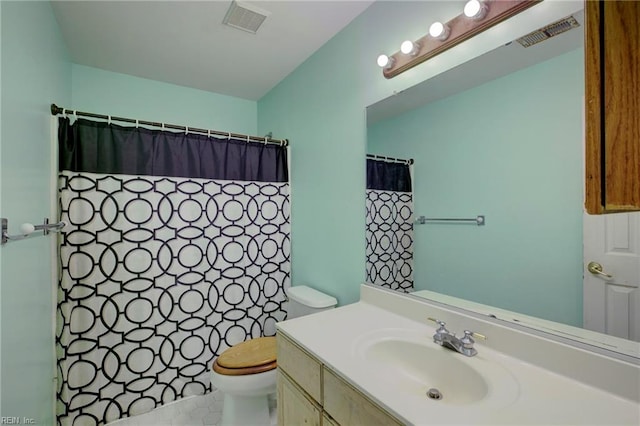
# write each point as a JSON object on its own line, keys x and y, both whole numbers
{"x": 311, "y": 297}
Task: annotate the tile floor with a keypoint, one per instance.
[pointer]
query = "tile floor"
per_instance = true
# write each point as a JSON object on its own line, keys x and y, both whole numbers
{"x": 193, "y": 411}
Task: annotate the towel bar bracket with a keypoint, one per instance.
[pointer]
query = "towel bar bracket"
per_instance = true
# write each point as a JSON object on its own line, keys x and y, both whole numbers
{"x": 5, "y": 227}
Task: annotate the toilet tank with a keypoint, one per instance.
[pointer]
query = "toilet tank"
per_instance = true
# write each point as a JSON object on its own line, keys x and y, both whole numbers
{"x": 305, "y": 300}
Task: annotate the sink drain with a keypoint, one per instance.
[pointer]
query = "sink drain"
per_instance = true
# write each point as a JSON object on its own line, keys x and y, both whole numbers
{"x": 434, "y": 393}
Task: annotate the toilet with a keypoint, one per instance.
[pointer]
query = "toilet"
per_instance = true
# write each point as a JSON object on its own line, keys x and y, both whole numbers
{"x": 246, "y": 373}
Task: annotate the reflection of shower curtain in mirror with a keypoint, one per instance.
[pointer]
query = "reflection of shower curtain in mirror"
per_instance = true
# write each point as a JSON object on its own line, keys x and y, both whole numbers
{"x": 389, "y": 225}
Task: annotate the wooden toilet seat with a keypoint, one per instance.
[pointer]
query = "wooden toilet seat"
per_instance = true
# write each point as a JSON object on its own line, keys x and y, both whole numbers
{"x": 250, "y": 357}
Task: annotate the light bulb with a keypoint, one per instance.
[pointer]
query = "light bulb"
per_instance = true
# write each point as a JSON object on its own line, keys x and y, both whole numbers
{"x": 439, "y": 31}
{"x": 409, "y": 48}
{"x": 475, "y": 9}
{"x": 385, "y": 62}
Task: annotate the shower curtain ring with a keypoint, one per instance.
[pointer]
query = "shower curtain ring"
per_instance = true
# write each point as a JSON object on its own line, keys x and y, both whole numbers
{"x": 137, "y": 124}
{"x": 109, "y": 120}
{"x": 248, "y": 139}
{"x": 209, "y": 133}
{"x": 186, "y": 130}
{"x": 265, "y": 140}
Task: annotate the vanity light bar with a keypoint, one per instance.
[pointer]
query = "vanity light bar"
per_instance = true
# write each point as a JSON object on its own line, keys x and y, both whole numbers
{"x": 455, "y": 31}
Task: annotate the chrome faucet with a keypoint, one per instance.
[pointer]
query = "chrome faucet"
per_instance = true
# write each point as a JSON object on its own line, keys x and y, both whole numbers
{"x": 464, "y": 345}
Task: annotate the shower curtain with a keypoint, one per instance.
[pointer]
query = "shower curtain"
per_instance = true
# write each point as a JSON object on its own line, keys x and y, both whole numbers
{"x": 177, "y": 247}
{"x": 389, "y": 222}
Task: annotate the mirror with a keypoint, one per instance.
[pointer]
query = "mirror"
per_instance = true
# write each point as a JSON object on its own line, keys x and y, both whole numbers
{"x": 499, "y": 136}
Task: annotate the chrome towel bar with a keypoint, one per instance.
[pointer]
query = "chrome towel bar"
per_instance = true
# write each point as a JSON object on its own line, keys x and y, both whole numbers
{"x": 28, "y": 229}
{"x": 478, "y": 220}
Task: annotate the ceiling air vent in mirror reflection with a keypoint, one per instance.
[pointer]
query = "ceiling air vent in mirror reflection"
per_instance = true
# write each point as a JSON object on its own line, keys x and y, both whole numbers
{"x": 245, "y": 16}
{"x": 549, "y": 31}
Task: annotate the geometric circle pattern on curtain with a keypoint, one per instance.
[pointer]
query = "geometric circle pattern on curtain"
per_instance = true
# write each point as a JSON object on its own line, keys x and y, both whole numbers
{"x": 389, "y": 239}
{"x": 158, "y": 276}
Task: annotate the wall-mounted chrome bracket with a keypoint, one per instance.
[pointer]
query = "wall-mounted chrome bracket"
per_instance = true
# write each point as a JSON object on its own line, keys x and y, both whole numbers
{"x": 5, "y": 229}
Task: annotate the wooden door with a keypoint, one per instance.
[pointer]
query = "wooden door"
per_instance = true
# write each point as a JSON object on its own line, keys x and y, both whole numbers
{"x": 612, "y": 67}
{"x": 612, "y": 297}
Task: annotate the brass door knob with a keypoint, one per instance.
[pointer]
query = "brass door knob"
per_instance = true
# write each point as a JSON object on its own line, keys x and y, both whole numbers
{"x": 596, "y": 269}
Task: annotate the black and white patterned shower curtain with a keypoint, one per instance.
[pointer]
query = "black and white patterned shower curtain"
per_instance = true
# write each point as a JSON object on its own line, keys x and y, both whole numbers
{"x": 389, "y": 222}
{"x": 177, "y": 247}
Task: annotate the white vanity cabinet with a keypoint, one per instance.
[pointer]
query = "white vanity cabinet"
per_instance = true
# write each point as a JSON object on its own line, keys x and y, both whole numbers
{"x": 309, "y": 393}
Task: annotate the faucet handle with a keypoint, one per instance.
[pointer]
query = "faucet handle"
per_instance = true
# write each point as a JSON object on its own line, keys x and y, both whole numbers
{"x": 467, "y": 342}
{"x": 437, "y": 321}
{"x": 470, "y": 335}
{"x": 441, "y": 328}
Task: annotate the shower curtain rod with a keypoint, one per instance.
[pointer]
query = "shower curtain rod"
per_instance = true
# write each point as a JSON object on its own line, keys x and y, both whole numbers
{"x": 55, "y": 110}
{"x": 391, "y": 159}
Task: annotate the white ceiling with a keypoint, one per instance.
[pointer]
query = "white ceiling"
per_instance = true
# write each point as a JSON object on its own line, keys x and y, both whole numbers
{"x": 185, "y": 42}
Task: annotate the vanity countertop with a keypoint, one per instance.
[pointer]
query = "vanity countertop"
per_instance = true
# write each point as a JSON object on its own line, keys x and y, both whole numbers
{"x": 536, "y": 395}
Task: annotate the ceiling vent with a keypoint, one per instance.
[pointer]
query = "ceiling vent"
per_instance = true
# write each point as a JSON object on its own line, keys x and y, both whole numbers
{"x": 244, "y": 16}
{"x": 549, "y": 31}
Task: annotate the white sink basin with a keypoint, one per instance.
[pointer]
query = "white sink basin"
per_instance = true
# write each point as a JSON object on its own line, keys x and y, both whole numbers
{"x": 411, "y": 363}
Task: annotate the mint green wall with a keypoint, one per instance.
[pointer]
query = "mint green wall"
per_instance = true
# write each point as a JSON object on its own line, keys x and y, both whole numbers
{"x": 320, "y": 107}
{"x": 35, "y": 72}
{"x": 105, "y": 92}
{"x": 518, "y": 160}
{"x": 326, "y": 169}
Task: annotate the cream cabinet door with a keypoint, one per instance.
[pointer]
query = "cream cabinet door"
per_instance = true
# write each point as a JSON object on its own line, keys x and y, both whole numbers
{"x": 294, "y": 408}
{"x": 349, "y": 407}
{"x": 300, "y": 366}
